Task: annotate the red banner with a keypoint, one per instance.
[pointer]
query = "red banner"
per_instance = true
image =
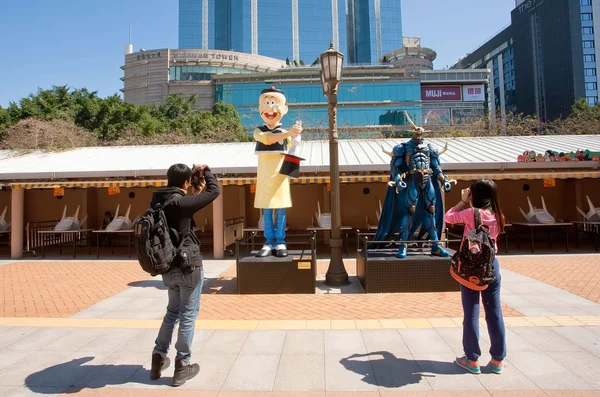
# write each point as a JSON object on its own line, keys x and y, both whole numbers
{"x": 441, "y": 93}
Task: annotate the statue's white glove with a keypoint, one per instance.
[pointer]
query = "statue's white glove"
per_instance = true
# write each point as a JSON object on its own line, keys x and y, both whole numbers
{"x": 296, "y": 140}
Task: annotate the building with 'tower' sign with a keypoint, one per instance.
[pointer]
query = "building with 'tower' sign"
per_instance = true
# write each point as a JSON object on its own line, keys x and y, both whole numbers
{"x": 370, "y": 95}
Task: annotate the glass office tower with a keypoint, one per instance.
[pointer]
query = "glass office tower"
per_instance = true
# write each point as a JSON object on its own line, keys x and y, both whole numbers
{"x": 390, "y": 30}
{"x": 294, "y": 29}
{"x": 317, "y": 27}
{"x": 274, "y": 28}
{"x": 374, "y": 29}
{"x": 590, "y": 65}
{"x": 196, "y": 22}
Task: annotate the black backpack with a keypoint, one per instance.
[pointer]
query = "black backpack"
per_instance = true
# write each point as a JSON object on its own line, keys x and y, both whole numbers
{"x": 473, "y": 264}
{"x": 154, "y": 244}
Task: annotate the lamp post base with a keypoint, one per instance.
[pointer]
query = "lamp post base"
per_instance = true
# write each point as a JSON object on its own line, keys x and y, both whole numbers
{"x": 337, "y": 279}
{"x": 336, "y": 273}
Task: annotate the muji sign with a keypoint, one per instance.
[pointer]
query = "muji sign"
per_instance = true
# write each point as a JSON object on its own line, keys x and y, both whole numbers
{"x": 441, "y": 93}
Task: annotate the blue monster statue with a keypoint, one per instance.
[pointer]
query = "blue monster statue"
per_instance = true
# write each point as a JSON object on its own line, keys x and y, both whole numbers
{"x": 414, "y": 198}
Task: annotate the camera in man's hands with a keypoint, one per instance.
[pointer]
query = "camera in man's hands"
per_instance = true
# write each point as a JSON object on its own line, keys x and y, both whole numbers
{"x": 198, "y": 175}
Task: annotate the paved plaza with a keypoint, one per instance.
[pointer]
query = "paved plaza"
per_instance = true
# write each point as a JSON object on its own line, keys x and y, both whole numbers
{"x": 87, "y": 328}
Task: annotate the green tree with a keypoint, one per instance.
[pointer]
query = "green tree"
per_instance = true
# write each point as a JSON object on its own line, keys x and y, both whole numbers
{"x": 229, "y": 121}
{"x": 295, "y": 62}
{"x": 113, "y": 120}
{"x": 5, "y": 121}
{"x": 287, "y": 61}
{"x": 179, "y": 106}
{"x": 114, "y": 116}
{"x": 580, "y": 108}
{"x": 86, "y": 108}
{"x": 316, "y": 62}
{"x": 302, "y": 62}
{"x": 55, "y": 103}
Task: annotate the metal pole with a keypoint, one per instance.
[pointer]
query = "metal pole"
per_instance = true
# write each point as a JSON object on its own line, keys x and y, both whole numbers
{"x": 336, "y": 274}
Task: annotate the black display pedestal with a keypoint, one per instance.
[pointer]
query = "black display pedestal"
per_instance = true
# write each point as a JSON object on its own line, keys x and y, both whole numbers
{"x": 295, "y": 274}
{"x": 380, "y": 272}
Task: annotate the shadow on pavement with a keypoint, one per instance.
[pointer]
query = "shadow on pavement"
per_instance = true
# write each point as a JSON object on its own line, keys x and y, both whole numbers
{"x": 219, "y": 285}
{"x": 393, "y": 372}
{"x": 75, "y": 376}
{"x": 158, "y": 284}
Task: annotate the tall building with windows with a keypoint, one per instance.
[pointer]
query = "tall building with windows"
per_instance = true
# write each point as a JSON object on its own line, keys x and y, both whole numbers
{"x": 195, "y": 22}
{"x": 548, "y": 52}
{"x": 545, "y": 60}
{"x": 590, "y": 50}
{"x": 298, "y": 30}
{"x": 497, "y": 55}
{"x": 374, "y": 29}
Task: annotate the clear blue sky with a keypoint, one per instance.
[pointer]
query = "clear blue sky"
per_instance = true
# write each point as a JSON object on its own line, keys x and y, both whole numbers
{"x": 80, "y": 42}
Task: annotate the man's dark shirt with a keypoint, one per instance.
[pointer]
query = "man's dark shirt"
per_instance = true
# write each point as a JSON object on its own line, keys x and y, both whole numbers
{"x": 181, "y": 212}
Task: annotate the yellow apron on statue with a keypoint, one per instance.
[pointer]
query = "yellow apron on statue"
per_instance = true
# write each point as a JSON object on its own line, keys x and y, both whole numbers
{"x": 272, "y": 188}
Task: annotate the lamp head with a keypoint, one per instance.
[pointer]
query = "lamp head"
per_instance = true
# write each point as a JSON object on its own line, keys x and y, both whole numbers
{"x": 331, "y": 64}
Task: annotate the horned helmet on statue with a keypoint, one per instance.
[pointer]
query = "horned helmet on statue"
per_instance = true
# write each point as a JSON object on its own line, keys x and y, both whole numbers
{"x": 417, "y": 133}
{"x": 275, "y": 149}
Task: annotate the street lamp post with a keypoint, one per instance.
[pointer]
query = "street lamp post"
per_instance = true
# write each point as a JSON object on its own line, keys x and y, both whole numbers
{"x": 331, "y": 74}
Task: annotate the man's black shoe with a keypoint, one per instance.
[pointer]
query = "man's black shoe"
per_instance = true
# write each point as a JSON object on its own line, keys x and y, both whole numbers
{"x": 184, "y": 372}
{"x": 264, "y": 251}
{"x": 159, "y": 364}
{"x": 280, "y": 251}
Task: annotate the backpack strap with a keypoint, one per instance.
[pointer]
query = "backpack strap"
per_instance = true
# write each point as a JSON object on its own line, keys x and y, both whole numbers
{"x": 167, "y": 202}
{"x": 477, "y": 217}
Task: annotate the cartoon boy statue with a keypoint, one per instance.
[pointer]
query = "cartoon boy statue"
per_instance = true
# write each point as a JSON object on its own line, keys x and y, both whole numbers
{"x": 272, "y": 186}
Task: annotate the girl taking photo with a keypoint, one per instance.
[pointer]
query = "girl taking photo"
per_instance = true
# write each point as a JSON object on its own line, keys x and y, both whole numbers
{"x": 482, "y": 195}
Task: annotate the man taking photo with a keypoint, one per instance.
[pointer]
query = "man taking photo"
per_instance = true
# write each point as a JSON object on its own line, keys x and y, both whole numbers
{"x": 185, "y": 279}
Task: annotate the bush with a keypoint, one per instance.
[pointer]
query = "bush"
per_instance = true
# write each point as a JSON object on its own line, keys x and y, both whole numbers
{"x": 107, "y": 120}
{"x": 53, "y": 135}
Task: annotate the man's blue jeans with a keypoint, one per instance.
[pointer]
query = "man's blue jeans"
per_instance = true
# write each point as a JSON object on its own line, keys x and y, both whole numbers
{"x": 184, "y": 304}
{"x": 275, "y": 234}
{"x": 490, "y": 298}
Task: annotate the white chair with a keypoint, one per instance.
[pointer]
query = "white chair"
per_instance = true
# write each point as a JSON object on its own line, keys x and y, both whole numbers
{"x": 593, "y": 214}
{"x": 323, "y": 220}
{"x": 71, "y": 222}
{"x": 537, "y": 215}
{"x": 203, "y": 228}
{"x": 120, "y": 222}
{"x": 261, "y": 222}
{"x": 4, "y": 226}
{"x": 377, "y": 215}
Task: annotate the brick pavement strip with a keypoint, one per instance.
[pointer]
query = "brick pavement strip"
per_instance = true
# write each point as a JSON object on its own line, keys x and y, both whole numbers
{"x": 577, "y": 274}
{"x": 61, "y": 289}
{"x": 339, "y": 307}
